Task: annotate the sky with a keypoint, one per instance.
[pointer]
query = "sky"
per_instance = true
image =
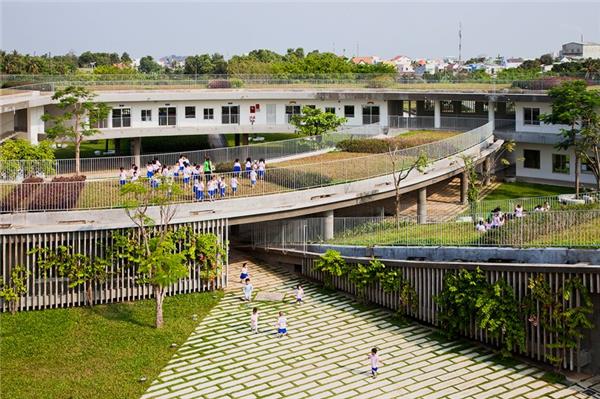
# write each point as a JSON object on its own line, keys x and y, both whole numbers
{"x": 417, "y": 29}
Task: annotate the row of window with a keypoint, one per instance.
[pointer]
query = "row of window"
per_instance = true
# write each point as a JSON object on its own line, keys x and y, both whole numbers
{"x": 466, "y": 106}
{"x": 560, "y": 162}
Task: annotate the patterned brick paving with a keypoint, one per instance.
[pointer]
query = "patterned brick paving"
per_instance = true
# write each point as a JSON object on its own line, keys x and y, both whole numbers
{"x": 325, "y": 355}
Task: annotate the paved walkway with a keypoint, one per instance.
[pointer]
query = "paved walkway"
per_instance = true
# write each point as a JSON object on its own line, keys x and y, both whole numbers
{"x": 326, "y": 354}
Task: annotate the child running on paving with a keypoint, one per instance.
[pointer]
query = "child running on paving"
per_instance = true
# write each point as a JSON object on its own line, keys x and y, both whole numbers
{"x": 244, "y": 273}
{"x": 281, "y": 325}
{"x": 299, "y": 294}
{"x": 254, "y": 321}
{"x": 374, "y": 357}
{"x": 247, "y": 289}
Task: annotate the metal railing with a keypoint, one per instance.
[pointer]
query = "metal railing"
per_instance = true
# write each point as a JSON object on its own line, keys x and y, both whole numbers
{"x": 109, "y": 166}
{"x": 565, "y": 228}
{"x": 447, "y": 122}
{"x": 343, "y": 80}
{"x": 105, "y": 193}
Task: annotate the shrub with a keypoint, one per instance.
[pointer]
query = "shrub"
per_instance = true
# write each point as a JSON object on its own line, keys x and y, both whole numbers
{"x": 225, "y": 84}
{"x": 332, "y": 264}
{"x": 380, "y": 82}
{"x": 371, "y": 146}
{"x": 542, "y": 83}
{"x": 61, "y": 193}
{"x": 36, "y": 158}
{"x": 21, "y": 195}
{"x": 295, "y": 178}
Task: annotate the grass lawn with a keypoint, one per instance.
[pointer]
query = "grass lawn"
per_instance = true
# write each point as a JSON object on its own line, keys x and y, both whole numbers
{"x": 269, "y": 137}
{"x": 523, "y": 190}
{"x": 93, "y": 353}
{"x": 87, "y": 149}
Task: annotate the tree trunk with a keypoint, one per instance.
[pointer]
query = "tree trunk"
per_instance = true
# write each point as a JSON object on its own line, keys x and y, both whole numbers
{"x": 577, "y": 173}
{"x": 89, "y": 292}
{"x": 77, "y": 151}
{"x": 397, "y": 207}
{"x": 159, "y": 296}
{"x": 12, "y": 306}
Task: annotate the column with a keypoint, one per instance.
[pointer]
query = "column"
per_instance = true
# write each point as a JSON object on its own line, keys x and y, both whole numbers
{"x": 245, "y": 137}
{"x": 437, "y": 114}
{"x": 422, "y": 206}
{"x": 237, "y": 139}
{"x": 464, "y": 187}
{"x": 136, "y": 149}
{"x": 491, "y": 113}
{"x": 35, "y": 124}
{"x": 487, "y": 171}
{"x": 328, "y": 228}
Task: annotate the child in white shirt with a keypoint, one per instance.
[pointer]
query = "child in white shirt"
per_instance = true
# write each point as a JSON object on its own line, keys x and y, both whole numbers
{"x": 254, "y": 321}
{"x": 234, "y": 185}
{"x": 374, "y": 357}
{"x": 122, "y": 176}
{"x": 299, "y": 294}
{"x": 281, "y": 325}
{"x": 247, "y": 289}
{"x": 253, "y": 178}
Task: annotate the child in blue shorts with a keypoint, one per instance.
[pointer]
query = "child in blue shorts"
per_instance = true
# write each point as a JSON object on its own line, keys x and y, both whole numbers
{"x": 281, "y": 325}
{"x": 374, "y": 357}
{"x": 244, "y": 273}
{"x": 122, "y": 176}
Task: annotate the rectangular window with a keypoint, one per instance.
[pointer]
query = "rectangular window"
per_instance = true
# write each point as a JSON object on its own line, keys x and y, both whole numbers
{"x": 447, "y": 106}
{"x": 230, "y": 115}
{"x": 146, "y": 115}
{"x": 468, "y": 107}
{"x": 560, "y": 163}
{"x": 510, "y": 108}
{"x": 349, "y": 111}
{"x": 190, "y": 112}
{"x": 330, "y": 110}
{"x": 428, "y": 105}
{"x": 121, "y": 117}
{"x": 209, "y": 113}
{"x": 167, "y": 116}
{"x": 531, "y": 116}
{"x": 290, "y": 111}
{"x": 312, "y": 106}
{"x": 531, "y": 159}
{"x": 370, "y": 114}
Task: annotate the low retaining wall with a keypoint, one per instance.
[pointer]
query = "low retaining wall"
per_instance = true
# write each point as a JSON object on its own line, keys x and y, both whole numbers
{"x": 426, "y": 278}
{"x": 556, "y": 256}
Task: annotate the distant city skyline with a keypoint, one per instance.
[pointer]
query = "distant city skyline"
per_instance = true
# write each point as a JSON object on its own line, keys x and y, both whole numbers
{"x": 418, "y": 30}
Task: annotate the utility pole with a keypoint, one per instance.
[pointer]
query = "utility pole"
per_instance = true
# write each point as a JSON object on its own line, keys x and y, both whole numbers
{"x": 459, "y": 43}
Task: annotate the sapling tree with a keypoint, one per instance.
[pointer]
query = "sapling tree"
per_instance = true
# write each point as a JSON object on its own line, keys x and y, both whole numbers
{"x": 153, "y": 248}
{"x": 12, "y": 290}
{"x": 332, "y": 264}
{"x": 402, "y": 166}
{"x": 314, "y": 122}
{"x": 80, "y": 114}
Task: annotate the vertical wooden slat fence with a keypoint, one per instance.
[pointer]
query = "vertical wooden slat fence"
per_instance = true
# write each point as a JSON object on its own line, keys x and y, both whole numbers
{"x": 427, "y": 279}
{"x": 47, "y": 290}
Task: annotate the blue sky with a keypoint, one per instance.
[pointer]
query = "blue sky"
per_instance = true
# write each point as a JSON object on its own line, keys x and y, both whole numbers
{"x": 423, "y": 29}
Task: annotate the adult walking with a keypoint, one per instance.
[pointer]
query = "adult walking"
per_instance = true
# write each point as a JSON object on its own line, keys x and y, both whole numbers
{"x": 208, "y": 169}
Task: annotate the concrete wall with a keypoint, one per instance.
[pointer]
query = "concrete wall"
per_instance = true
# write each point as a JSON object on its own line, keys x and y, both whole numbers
{"x": 542, "y": 127}
{"x": 545, "y": 170}
{"x": 469, "y": 254}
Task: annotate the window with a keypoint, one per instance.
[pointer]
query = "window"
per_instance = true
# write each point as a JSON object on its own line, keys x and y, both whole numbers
{"x": 146, "y": 115}
{"x": 560, "y": 163}
{"x": 121, "y": 117}
{"x": 312, "y": 106}
{"x": 586, "y": 167}
{"x": 532, "y": 159}
{"x": 330, "y": 110}
{"x": 349, "y": 111}
{"x": 209, "y": 113}
{"x": 428, "y": 105}
{"x": 370, "y": 114}
{"x": 510, "y": 108}
{"x": 531, "y": 116}
{"x": 290, "y": 111}
{"x": 167, "y": 116}
{"x": 230, "y": 115}
{"x": 468, "y": 107}
{"x": 190, "y": 112}
{"x": 447, "y": 106}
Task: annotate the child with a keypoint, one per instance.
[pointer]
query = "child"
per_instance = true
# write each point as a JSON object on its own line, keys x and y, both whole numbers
{"x": 122, "y": 176}
{"x": 135, "y": 174}
{"x": 211, "y": 189}
{"x": 222, "y": 187}
{"x": 154, "y": 182}
{"x": 253, "y": 178}
{"x": 281, "y": 325}
{"x": 196, "y": 172}
{"x": 248, "y": 166}
{"x": 247, "y": 289}
{"x": 187, "y": 172}
{"x": 199, "y": 190}
{"x": 261, "y": 169}
{"x": 234, "y": 185}
{"x": 244, "y": 274}
{"x": 237, "y": 168}
{"x": 374, "y": 357}
{"x": 299, "y": 294}
{"x": 149, "y": 170}
{"x": 254, "y": 321}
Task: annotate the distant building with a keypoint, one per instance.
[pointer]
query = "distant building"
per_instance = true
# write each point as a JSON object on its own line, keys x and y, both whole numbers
{"x": 513, "y": 63}
{"x": 172, "y": 61}
{"x": 580, "y": 50}
{"x": 403, "y": 64}
{"x": 371, "y": 60}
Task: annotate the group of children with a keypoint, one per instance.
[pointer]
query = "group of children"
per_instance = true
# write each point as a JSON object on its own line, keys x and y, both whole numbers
{"x": 281, "y": 323}
{"x": 200, "y": 176}
{"x": 497, "y": 218}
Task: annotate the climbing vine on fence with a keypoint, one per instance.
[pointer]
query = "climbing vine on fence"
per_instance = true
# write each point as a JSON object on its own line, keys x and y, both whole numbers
{"x": 566, "y": 323}
{"x": 331, "y": 263}
{"x": 12, "y": 290}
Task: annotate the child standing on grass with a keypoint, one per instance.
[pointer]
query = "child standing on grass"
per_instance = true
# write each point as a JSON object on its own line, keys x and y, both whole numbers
{"x": 244, "y": 273}
{"x": 122, "y": 176}
{"x": 247, "y": 289}
{"x": 237, "y": 168}
{"x": 199, "y": 190}
{"x": 261, "y": 169}
{"x": 234, "y": 185}
{"x": 374, "y": 357}
{"x": 281, "y": 325}
{"x": 254, "y": 321}
{"x": 252, "y": 178}
{"x": 299, "y": 294}
{"x": 248, "y": 166}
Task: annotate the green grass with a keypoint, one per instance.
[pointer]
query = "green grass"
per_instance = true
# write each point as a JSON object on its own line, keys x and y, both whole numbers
{"x": 269, "y": 137}
{"x": 87, "y": 149}
{"x": 93, "y": 353}
{"x": 522, "y": 190}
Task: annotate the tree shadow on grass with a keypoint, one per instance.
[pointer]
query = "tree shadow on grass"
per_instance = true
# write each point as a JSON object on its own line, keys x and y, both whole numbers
{"x": 121, "y": 312}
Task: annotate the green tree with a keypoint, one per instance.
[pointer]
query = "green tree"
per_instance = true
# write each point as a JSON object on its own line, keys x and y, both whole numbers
{"x": 313, "y": 121}
{"x": 21, "y": 157}
{"x": 12, "y": 290}
{"x": 199, "y": 64}
{"x": 576, "y": 107}
{"x": 79, "y": 269}
{"x": 157, "y": 251}
{"x": 80, "y": 115}
{"x": 125, "y": 58}
{"x": 148, "y": 65}
{"x": 332, "y": 264}
{"x": 402, "y": 167}
{"x": 546, "y": 59}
